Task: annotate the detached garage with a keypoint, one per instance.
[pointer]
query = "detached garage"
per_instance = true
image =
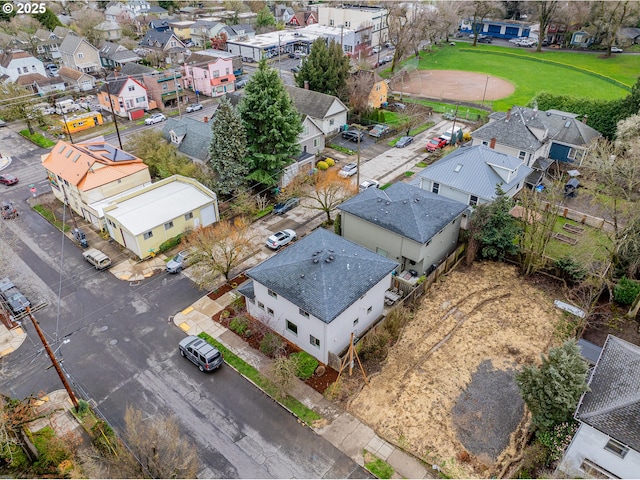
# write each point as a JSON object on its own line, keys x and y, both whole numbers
{"x": 146, "y": 218}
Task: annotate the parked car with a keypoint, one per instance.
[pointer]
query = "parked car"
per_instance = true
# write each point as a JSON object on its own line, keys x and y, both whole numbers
{"x": 182, "y": 260}
{"x": 378, "y": 131}
{"x": 403, "y": 142}
{"x": 386, "y": 59}
{"x": 484, "y": 39}
{"x": 295, "y": 69}
{"x": 616, "y": 50}
{"x": 280, "y": 239}
{"x": 349, "y": 170}
{"x": 16, "y": 301}
{"x": 436, "y": 144}
{"x": 284, "y": 207}
{"x": 241, "y": 83}
{"x": 368, "y": 184}
{"x": 353, "y": 135}
{"x": 8, "y": 179}
{"x": 399, "y": 106}
{"x": 96, "y": 258}
{"x": 375, "y": 49}
{"x": 194, "y": 107}
{"x": 156, "y": 118}
{"x": 205, "y": 356}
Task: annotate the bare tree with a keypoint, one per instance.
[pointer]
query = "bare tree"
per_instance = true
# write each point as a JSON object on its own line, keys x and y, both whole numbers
{"x": 219, "y": 248}
{"x": 401, "y": 31}
{"x": 479, "y": 10}
{"x": 545, "y": 11}
{"x": 359, "y": 87}
{"x": 428, "y": 26}
{"x": 328, "y": 191}
{"x": 282, "y": 374}
{"x": 449, "y": 13}
{"x": 85, "y": 22}
{"x": 609, "y": 17}
{"x": 161, "y": 450}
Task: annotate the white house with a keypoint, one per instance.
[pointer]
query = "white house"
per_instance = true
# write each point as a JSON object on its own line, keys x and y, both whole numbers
{"x": 16, "y": 63}
{"x": 327, "y": 111}
{"x": 607, "y": 443}
{"x": 318, "y": 291}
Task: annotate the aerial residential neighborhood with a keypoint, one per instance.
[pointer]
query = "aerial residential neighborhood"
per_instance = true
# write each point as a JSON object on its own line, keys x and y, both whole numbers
{"x": 393, "y": 240}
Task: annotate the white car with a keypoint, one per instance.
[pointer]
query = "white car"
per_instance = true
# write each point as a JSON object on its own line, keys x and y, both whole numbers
{"x": 369, "y": 184}
{"x": 375, "y": 49}
{"x": 349, "y": 170}
{"x": 157, "y": 118}
{"x": 280, "y": 239}
{"x": 194, "y": 107}
{"x": 616, "y": 50}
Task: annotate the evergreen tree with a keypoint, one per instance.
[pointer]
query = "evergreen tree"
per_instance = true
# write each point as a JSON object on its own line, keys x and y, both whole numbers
{"x": 265, "y": 18}
{"x": 48, "y": 19}
{"x": 498, "y": 229}
{"x": 228, "y": 149}
{"x": 326, "y": 69}
{"x": 552, "y": 390}
{"x": 272, "y": 125}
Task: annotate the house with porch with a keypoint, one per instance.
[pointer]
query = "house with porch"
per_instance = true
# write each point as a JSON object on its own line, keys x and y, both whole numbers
{"x": 42, "y": 85}
{"x": 145, "y": 218}
{"x": 123, "y": 96}
{"x": 318, "y": 291}
{"x": 607, "y": 442}
{"x": 84, "y": 174}
{"x": 210, "y": 76}
{"x": 416, "y": 228}
{"x": 77, "y": 80}
{"x": 77, "y": 53}
{"x": 529, "y": 134}
{"x": 17, "y": 63}
{"x": 327, "y": 111}
{"x": 311, "y": 142}
{"x": 470, "y": 175}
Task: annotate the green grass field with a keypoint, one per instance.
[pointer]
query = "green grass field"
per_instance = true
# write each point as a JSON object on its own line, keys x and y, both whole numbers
{"x": 571, "y": 73}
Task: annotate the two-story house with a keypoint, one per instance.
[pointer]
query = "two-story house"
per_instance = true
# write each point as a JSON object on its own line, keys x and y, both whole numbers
{"x": 190, "y": 136}
{"x": 47, "y": 44}
{"x": 326, "y": 110}
{"x": 416, "y": 228}
{"x": 145, "y": 218}
{"x": 470, "y": 175}
{"x": 182, "y": 29}
{"x": 372, "y": 86}
{"x": 311, "y": 141}
{"x": 319, "y": 291}
{"x": 203, "y": 30}
{"x": 83, "y": 175}
{"x": 529, "y": 134}
{"x": 114, "y": 55}
{"x": 607, "y": 443}
{"x": 77, "y": 53}
{"x": 18, "y": 63}
{"x": 164, "y": 88}
{"x": 302, "y": 19}
{"x": 166, "y": 43}
{"x": 123, "y": 96}
{"x": 110, "y": 30}
{"x": 370, "y": 21}
{"x": 210, "y": 76}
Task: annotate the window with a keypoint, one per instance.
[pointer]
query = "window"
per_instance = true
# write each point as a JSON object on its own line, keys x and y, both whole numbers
{"x": 347, "y": 24}
{"x": 436, "y": 187}
{"x": 131, "y": 88}
{"x": 575, "y": 154}
{"x": 369, "y": 309}
{"x": 331, "y": 23}
{"x": 272, "y": 293}
{"x": 473, "y": 200}
{"x": 292, "y": 327}
{"x": 315, "y": 143}
{"x": 355, "y": 322}
{"x": 270, "y": 311}
{"x": 305, "y": 129}
{"x": 484, "y": 142}
{"x": 593, "y": 470}
{"x": 174, "y": 138}
{"x": 227, "y": 70}
{"x": 261, "y": 305}
{"x": 188, "y": 216}
{"x": 331, "y": 122}
{"x": 314, "y": 341}
{"x": 168, "y": 225}
{"x": 140, "y": 100}
{"x": 616, "y": 448}
{"x": 382, "y": 252}
{"x": 216, "y": 74}
{"x": 303, "y": 313}
{"x": 80, "y": 55}
{"x": 522, "y": 155}
{"x": 147, "y": 235}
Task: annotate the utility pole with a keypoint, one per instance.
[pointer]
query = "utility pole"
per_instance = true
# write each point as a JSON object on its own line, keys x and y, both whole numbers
{"x": 54, "y": 360}
{"x": 175, "y": 82}
{"x": 113, "y": 112}
{"x": 454, "y": 137}
{"x": 66, "y": 125}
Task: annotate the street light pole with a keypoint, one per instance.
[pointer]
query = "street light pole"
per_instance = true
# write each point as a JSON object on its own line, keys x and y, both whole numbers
{"x": 279, "y": 55}
{"x": 485, "y": 90}
{"x": 453, "y": 128}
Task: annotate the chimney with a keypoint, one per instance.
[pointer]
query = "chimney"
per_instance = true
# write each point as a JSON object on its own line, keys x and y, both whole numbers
{"x": 584, "y": 119}
{"x": 306, "y": 84}
{"x": 206, "y": 119}
{"x": 492, "y": 144}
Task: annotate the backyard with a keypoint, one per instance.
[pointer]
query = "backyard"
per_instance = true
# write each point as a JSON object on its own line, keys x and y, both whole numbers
{"x": 562, "y": 73}
{"x": 446, "y": 392}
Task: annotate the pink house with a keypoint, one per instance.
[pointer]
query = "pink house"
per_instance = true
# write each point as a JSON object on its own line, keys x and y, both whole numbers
{"x": 127, "y": 96}
{"x": 210, "y": 76}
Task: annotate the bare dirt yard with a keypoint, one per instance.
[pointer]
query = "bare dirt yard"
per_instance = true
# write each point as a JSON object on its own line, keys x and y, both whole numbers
{"x": 446, "y": 392}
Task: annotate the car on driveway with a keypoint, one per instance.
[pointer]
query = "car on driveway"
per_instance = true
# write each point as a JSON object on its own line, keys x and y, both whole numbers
{"x": 436, "y": 144}
{"x": 353, "y": 135}
{"x": 157, "y": 118}
{"x": 403, "y": 142}
{"x": 378, "y": 131}
{"x": 194, "y": 107}
{"x": 205, "y": 356}
{"x": 349, "y": 170}
{"x": 182, "y": 260}
{"x": 8, "y": 179}
{"x": 284, "y": 207}
{"x": 280, "y": 239}
{"x": 368, "y": 184}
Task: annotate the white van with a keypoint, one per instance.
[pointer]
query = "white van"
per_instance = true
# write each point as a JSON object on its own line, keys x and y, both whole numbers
{"x": 457, "y": 135}
{"x": 96, "y": 258}
{"x": 66, "y": 106}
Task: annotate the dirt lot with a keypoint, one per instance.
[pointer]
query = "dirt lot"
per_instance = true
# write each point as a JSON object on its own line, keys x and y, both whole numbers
{"x": 446, "y": 392}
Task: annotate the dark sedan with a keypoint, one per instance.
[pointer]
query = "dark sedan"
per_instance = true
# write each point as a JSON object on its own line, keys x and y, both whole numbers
{"x": 285, "y": 206}
{"x": 353, "y": 135}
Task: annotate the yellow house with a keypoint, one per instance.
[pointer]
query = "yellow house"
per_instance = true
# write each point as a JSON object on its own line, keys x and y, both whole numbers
{"x": 85, "y": 174}
{"x": 82, "y": 121}
{"x": 182, "y": 29}
{"x": 144, "y": 219}
{"x": 379, "y": 89}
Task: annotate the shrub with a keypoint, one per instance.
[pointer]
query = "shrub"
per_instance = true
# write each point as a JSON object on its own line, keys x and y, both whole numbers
{"x": 272, "y": 345}
{"x": 104, "y": 438}
{"x": 570, "y": 268}
{"x": 322, "y": 165}
{"x": 408, "y": 173}
{"x": 337, "y": 225}
{"x": 374, "y": 345}
{"x": 169, "y": 244}
{"x": 626, "y": 291}
{"x": 239, "y": 325}
{"x": 557, "y": 439}
{"x": 83, "y": 408}
{"x": 330, "y": 161}
{"x": 305, "y": 365}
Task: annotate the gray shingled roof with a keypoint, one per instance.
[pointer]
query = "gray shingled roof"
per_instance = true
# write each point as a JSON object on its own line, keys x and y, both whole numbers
{"x": 153, "y": 36}
{"x": 70, "y": 43}
{"x": 512, "y": 132}
{"x": 613, "y": 404}
{"x": 115, "y": 85}
{"x": 308, "y": 102}
{"x": 197, "y": 136}
{"x": 323, "y": 273}
{"x": 133, "y": 69}
{"x": 405, "y": 209}
{"x": 475, "y": 175}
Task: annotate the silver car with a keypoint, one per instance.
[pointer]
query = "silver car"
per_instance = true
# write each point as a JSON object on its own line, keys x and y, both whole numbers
{"x": 280, "y": 239}
{"x": 181, "y": 260}
{"x": 205, "y": 356}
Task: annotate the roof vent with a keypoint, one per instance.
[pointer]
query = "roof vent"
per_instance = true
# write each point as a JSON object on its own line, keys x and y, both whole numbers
{"x": 388, "y": 203}
{"x": 458, "y": 168}
{"x": 327, "y": 260}
{"x": 379, "y": 199}
{"x": 568, "y": 124}
{"x": 331, "y": 257}
{"x": 548, "y": 114}
{"x": 302, "y": 275}
{"x": 331, "y": 250}
{"x": 315, "y": 260}
{"x": 404, "y": 201}
{"x": 564, "y": 118}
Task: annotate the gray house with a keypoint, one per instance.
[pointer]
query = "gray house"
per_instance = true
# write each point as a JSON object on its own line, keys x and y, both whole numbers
{"x": 191, "y": 136}
{"x": 77, "y": 53}
{"x": 404, "y": 223}
{"x": 529, "y": 134}
{"x": 471, "y": 174}
{"x": 607, "y": 443}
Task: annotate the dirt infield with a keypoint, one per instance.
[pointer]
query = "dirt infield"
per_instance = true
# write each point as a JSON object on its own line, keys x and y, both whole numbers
{"x": 454, "y": 85}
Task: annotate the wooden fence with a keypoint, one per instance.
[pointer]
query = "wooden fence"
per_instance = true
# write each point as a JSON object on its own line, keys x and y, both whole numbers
{"x": 584, "y": 218}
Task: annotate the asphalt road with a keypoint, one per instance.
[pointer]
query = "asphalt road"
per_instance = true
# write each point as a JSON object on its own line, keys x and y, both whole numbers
{"x": 118, "y": 349}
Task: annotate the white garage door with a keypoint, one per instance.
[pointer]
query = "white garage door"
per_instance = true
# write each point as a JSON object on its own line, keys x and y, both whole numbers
{"x": 208, "y": 215}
